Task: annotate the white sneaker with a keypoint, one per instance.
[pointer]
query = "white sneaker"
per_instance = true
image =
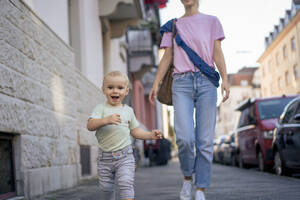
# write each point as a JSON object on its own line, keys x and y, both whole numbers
{"x": 199, "y": 195}
{"x": 186, "y": 190}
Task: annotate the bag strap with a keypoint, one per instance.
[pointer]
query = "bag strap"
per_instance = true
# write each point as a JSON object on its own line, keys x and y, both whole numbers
{"x": 210, "y": 72}
{"x": 173, "y": 37}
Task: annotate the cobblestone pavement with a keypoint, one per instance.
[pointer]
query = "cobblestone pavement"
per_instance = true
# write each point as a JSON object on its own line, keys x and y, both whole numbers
{"x": 228, "y": 183}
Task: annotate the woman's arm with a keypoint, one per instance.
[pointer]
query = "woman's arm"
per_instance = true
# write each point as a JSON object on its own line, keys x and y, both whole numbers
{"x": 139, "y": 133}
{"x": 162, "y": 69}
{"x": 220, "y": 62}
{"x": 94, "y": 124}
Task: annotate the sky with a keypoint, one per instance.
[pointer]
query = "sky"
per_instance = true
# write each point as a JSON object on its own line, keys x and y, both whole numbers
{"x": 245, "y": 23}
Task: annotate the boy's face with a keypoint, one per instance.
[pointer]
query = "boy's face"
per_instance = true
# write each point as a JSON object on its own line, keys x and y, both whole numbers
{"x": 115, "y": 90}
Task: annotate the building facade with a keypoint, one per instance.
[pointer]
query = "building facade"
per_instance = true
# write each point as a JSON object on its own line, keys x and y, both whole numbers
{"x": 280, "y": 62}
{"x": 53, "y": 55}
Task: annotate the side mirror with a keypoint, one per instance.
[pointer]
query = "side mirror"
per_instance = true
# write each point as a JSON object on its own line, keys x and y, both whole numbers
{"x": 297, "y": 117}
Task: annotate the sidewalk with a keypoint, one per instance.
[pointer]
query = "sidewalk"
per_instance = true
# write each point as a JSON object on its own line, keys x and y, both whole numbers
{"x": 87, "y": 190}
{"x": 146, "y": 187}
{"x": 227, "y": 183}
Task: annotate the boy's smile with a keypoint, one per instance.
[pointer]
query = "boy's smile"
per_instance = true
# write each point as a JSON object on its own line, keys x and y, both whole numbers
{"x": 115, "y": 90}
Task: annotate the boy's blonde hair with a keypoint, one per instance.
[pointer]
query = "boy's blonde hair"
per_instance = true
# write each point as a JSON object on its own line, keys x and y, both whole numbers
{"x": 115, "y": 74}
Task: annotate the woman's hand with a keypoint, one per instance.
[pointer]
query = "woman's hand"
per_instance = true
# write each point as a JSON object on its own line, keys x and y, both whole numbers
{"x": 156, "y": 135}
{"x": 153, "y": 94}
{"x": 225, "y": 91}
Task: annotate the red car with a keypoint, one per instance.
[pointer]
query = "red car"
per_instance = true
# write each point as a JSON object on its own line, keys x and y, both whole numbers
{"x": 254, "y": 133}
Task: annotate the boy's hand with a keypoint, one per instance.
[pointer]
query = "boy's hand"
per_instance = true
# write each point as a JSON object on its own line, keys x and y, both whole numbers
{"x": 114, "y": 119}
{"x": 156, "y": 135}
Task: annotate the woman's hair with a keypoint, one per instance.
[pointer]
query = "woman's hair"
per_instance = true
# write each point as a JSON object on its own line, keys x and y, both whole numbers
{"x": 115, "y": 74}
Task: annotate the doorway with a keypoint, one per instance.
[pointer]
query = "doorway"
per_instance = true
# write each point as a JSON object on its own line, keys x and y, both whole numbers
{"x": 7, "y": 172}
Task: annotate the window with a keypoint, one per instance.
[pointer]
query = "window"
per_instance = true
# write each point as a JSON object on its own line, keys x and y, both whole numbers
{"x": 271, "y": 109}
{"x": 244, "y": 83}
{"x": 288, "y": 115}
{"x": 297, "y": 111}
{"x": 293, "y": 44}
{"x": 244, "y": 118}
{"x": 296, "y": 71}
{"x": 284, "y": 51}
{"x": 247, "y": 116}
{"x": 298, "y": 108}
{"x": 251, "y": 115}
{"x": 287, "y": 78}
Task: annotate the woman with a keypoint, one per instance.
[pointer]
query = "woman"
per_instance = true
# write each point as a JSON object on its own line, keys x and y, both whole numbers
{"x": 194, "y": 90}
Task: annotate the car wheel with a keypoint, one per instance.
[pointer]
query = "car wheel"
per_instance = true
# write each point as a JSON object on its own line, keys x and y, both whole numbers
{"x": 233, "y": 160}
{"x": 279, "y": 167}
{"x": 221, "y": 158}
{"x": 241, "y": 162}
{"x": 261, "y": 163}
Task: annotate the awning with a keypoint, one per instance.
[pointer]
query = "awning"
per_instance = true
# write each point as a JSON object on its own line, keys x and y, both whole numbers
{"x": 160, "y": 3}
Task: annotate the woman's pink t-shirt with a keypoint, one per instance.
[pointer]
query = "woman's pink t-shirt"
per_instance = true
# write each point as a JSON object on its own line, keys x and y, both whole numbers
{"x": 199, "y": 32}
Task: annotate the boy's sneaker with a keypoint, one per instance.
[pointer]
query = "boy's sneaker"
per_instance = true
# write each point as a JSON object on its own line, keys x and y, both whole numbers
{"x": 199, "y": 195}
{"x": 186, "y": 190}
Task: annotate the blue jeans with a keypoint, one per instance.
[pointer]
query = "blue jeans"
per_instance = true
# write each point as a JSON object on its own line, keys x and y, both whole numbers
{"x": 193, "y": 91}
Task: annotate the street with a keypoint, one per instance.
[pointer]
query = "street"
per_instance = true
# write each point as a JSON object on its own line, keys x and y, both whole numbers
{"x": 228, "y": 183}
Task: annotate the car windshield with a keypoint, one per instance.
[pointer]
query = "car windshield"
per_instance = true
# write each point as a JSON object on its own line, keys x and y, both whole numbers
{"x": 272, "y": 108}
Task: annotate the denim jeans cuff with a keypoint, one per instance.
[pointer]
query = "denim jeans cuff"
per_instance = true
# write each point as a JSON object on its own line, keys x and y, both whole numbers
{"x": 202, "y": 185}
{"x": 188, "y": 174}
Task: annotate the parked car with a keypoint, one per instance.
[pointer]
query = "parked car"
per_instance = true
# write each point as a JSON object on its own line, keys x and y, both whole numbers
{"x": 286, "y": 142}
{"x": 255, "y": 130}
{"x": 218, "y": 154}
{"x": 228, "y": 148}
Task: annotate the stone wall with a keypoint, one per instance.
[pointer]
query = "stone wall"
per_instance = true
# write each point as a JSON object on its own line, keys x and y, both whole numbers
{"x": 44, "y": 102}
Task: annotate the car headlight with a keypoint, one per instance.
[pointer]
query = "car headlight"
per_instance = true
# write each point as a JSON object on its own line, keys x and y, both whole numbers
{"x": 268, "y": 134}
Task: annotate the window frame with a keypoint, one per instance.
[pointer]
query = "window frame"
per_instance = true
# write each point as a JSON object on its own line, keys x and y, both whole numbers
{"x": 245, "y": 116}
{"x": 296, "y": 70}
{"x": 284, "y": 52}
{"x": 289, "y": 111}
{"x": 293, "y": 43}
{"x": 287, "y": 77}
{"x": 296, "y": 111}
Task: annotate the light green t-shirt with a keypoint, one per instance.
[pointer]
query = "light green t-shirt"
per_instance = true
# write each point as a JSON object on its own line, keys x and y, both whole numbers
{"x": 114, "y": 137}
